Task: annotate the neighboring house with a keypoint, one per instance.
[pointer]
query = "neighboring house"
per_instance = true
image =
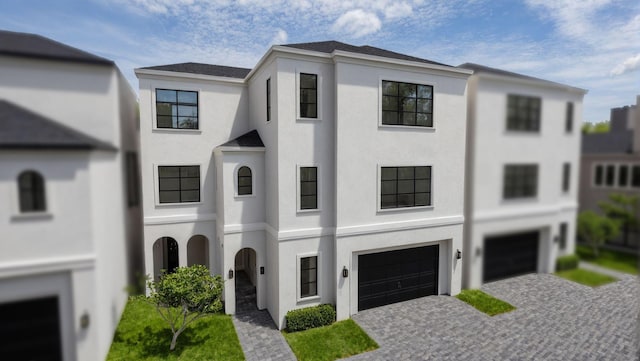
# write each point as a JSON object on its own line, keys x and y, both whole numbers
{"x": 70, "y": 230}
{"x": 523, "y": 142}
{"x": 611, "y": 164}
{"x": 328, "y": 173}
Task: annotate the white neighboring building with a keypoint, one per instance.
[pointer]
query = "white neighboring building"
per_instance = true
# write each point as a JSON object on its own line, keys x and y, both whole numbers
{"x": 68, "y": 143}
{"x": 329, "y": 173}
{"x": 523, "y": 155}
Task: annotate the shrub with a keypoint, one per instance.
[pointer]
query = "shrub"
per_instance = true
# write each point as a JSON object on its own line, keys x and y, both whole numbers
{"x": 567, "y": 262}
{"x": 310, "y": 317}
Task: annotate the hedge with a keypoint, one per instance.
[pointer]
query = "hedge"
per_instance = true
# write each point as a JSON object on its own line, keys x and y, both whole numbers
{"x": 567, "y": 262}
{"x": 310, "y": 317}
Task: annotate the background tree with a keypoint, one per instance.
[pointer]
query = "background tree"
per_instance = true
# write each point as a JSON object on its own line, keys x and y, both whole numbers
{"x": 599, "y": 127}
{"x": 184, "y": 296}
{"x": 623, "y": 210}
{"x": 595, "y": 229}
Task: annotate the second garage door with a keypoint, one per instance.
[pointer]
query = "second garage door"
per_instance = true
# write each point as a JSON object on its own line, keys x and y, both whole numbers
{"x": 510, "y": 255}
{"x": 394, "y": 276}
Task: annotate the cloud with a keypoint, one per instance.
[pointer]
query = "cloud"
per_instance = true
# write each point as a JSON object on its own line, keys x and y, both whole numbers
{"x": 397, "y": 10}
{"x": 629, "y": 65}
{"x": 572, "y": 18}
{"x": 280, "y": 37}
{"x": 357, "y": 23}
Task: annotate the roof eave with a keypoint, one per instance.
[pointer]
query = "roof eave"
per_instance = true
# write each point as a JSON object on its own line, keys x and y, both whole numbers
{"x": 536, "y": 82}
{"x": 104, "y": 62}
{"x": 410, "y": 63}
{"x": 237, "y": 148}
{"x": 175, "y": 74}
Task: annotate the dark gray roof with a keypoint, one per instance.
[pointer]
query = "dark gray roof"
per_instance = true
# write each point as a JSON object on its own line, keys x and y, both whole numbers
{"x": 477, "y": 68}
{"x": 23, "y": 129}
{"x": 331, "y": 46}
{"x": 607, "y": 143}
{"x": 206, "y": 69}
{"x": 250, "y": 139}
{"x": 36, "y": 46}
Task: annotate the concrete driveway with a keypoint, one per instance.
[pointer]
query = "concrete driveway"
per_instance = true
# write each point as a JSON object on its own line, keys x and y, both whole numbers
{"x": 555, "y": 319}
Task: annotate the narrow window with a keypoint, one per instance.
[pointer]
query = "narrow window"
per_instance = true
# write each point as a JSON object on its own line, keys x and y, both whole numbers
{"x": 523, "y": 113}
{"x": 563, "y": 236}
{"x": 407, "y": 104}
{"x": 610, "y": 174}
{"x": 31, "y": 192}
{"x": 269, "y": 99}
{"x": 133, "y": 185}
{"x": 405, "y": 187}
{"x": 177, "y": 109}
{"x": 308, "y": 276}
{"x": 308, "y": 188}
{"x": 566, "y": 176}
{"x": 244, "y": 181}
{"x": 308, "y": 95}
{"x": 598, "y": 175}
{"x": 569, "y": 118}
{"x": 623, "y": 175}
{"x": 179, "y": 184}
{"x": 635, "y": 176}
{"x": 520, "y": 181}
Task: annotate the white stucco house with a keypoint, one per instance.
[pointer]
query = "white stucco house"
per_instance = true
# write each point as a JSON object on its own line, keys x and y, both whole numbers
{"x": 328, "y": 173}
{"x": 68, "y": 153}
{"x": 522, "y": 168}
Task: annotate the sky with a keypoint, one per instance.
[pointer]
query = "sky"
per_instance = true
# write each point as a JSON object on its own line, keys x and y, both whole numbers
{"x": 590, "y": 44}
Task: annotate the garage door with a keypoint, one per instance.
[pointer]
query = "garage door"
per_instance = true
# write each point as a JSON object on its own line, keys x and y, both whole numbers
{"x": 394, "y": 276}
{"x": 510, "y": 255}
{"x": 30, "y": 330}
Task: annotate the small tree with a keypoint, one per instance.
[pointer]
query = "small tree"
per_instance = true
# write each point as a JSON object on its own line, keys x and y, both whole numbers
{"x": 623, "y": 210}
{"x": 595, "y": 229}
{"x": 184, "y": 296}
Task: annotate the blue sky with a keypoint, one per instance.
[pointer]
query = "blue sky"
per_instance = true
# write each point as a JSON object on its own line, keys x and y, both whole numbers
{"x": 592, "y": 44}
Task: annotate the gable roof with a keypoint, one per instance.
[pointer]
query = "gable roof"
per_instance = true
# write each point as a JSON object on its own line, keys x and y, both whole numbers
{"x": 22, "y": 129}
{"x": 332, "y": 45}
{"x": 251, "y": 139}
{"x": 477, "y": 68}
{"x": 36, "y": 46}
{"x": 205, "y": 69}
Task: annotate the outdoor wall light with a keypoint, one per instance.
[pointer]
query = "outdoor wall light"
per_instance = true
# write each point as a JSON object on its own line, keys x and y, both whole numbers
{"x": 556, "y": 239}
{"x": 84, "y": 320}
{"x": 478, "y": 252}
{"x": 345, "y": 272}
{"x": 458, "y": 254}
{"x": 230, "y": 273}
{"x": 261, "y": 270}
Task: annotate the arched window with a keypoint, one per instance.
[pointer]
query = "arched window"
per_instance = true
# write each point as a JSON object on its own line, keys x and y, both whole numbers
{"x": 31, "y": 192}
{"x": 244, "y": 181}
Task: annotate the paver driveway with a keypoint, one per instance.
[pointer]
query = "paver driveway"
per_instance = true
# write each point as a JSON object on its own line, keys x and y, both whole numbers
{"x": 555, "y": 319}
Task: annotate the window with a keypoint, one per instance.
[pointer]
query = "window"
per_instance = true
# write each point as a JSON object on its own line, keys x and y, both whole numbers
{"x": 179, "y": 184}
{"x": 635, "y": 176}
{"x": 610, "y": 175}
{"x": 563, "y": 236}
{"x": 520, "y": 181}
{"x": 568, "y": 126}
{"x": 31, "y": 192}
{"x": 269, "y": 99}
{"x": 623, "y": 175}
{"x": 133, "y": 187}
{"x": 177, "y": 109}
{"x": 308, "y": 276}
{"x": 523, "y": 113}
{"x": 597, "y": 176}
{"x": 407, "y": 104}
{"x": 566, "y": 176}
{"x": 244, "y": 181}
{"x": 405, "y": 187}
{"x": 308, "y": 188}
{"x": 308, "y": 95}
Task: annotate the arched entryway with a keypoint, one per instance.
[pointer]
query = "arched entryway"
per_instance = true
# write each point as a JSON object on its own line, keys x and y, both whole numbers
{"x": 165, "y": 256}
{"x": 246, "y": 279}
{"x": 198, "y": 251}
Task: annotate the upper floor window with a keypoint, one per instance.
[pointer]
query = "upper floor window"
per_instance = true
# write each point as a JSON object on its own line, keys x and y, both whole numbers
{"x": 523, "y": 113}
{"x": 520, "y": 181}
{"x": 598, "y": 175}
{"x": 407, "y": 104}
{"x": 563, "y": 236}
{"x": 308, "y": 188}
{"x": 177, "y": 109}
{"x": 269, "y": 99}
{"x": 568, "y": 127}
{"x": 566, "y": 176}
{"x": 610, "y": 173}
{"x": 133, "y": 186}
{"x": 635, "y": 176}
{"x": 245, "y": 181}
{"x": 616, "y": 175}
{"x": 308, "y": 95}
{"x": 179, "y": 184}
{"x": 405, "y": 187}
{"x": 623, "y": 175}
{"x": 31, "y": 192}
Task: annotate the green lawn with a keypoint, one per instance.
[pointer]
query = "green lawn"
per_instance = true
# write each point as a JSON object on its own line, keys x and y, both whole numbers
{"x": 485, "y": 302}
{"x": 328, "y": 343}
{"x": 143, "y": 335}
{"x": 618, "y": 261}
{"x": 586, "y": 277}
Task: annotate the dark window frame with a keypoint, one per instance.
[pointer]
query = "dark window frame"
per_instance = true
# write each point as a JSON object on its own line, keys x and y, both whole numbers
{"x": 306, "y": 101}
{"x": 177, "y": 104}
{"x": 392, "y": 198}
{"x": 395, "y": 107}
{"x": 180, "y": 189}
{"x": 520, "y": 181}
{"x": 566, "y": 177}
{"x": 268, "y": 99}
{"x": 568, "y": 126}
{"x": 623, "y": 175}
{"x": 311, "y": 195}
{"x": 562, "y": 236}
{"x": 31, "y": 192}
{"x": 610, "y": 175}
{"x": 245, "y": 190}
{"x": 598, "y": 175}
{"x": 306, "y": 279}
{"x": 523, "y": 113}
{"x": 635, "y": 176}
{"x": 133, "y": 180}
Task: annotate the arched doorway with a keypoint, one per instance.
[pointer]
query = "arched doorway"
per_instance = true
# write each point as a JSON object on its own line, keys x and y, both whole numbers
{"x": 198, "y": 251}
{"x": 246, "y": 279}
{"x": 165, "y": 256}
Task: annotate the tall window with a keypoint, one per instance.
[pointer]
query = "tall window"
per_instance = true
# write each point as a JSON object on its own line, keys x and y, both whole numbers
{"x": 568, "y": 127}
{"x": 405, "y": 187}
{"x": 563, "y": 236}
{"x": 520, "y": 181}
{"x": 269, "y": 99}
{"x": 407, "y": 104}
{"x": 308, "y": 276}
{"x": 598, "y": 174}
{"x": 566, "y": 176}
{"x": 308, "y": 188}
{"x": 133, "y": 187}
{"x": 179, "y": 184}
{"x": 31, "y": 192}
{"x": 635, "y": 176}
{"x": 244, "y": 181}
{"x": 523, "y": 113}
{"x": 610, "y": 175}
{"x": 308, "y": 95}
{"x": 177, "y": 109}
{"x": 623, "y": 175}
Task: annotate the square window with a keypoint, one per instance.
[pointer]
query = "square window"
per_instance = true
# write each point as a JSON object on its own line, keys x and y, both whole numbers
{"x": 176, "y": 109}
{"x": 407, "y": 104}
{"x": 523, "y": 113}
{"x": 405, "y": 187}
{"x": 179, "y": 184}
{"x": 520, "y": 181}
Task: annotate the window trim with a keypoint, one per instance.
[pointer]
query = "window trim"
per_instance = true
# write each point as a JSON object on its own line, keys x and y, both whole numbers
{"x": 566, "y": 177}
{"x": 523, "y": 131}
{"x": 299, "y": 190}
{"x": 562, "y": 241}
{"x": 569, "y": 117}
{"x": 319, "y": 98}
{"x": 319, "y": 280}
{"x": 237, "y": 185}
{"x": 132, "y": 175}
{"x": 268, "y": 99}
{"x": 154, "y": 112}
{"x": 156, "y": 183}
{"x": 520, "y": 198}
{"x": 617, "y": 165}
{"x": 432, "y": 83}
{"x": 379, "y": 208}
{"x": 39, "y": 213}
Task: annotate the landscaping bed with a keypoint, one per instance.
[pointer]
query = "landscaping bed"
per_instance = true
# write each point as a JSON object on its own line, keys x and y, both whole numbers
{"x": 611, "y": 259}
{"x": 586, "y": 277}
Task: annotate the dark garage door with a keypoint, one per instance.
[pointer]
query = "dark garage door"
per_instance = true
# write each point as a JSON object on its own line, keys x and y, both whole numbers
{"x": 510, "y": 255}
{"x": 394, "y": 276}
{"x": 30, "y": 330}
